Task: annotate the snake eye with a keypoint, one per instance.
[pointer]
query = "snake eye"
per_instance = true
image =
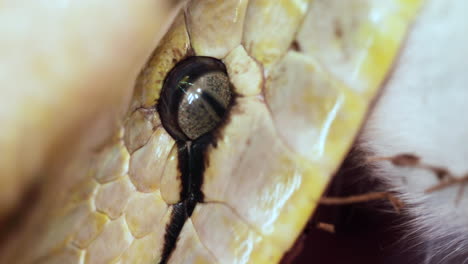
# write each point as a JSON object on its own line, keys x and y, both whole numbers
{"x": 194, "y": 98}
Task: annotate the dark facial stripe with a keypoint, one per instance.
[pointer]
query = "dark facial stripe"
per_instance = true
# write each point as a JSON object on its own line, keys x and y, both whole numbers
{"x": 180, "y": 213}
{"x": 183, "y": 148}
{"x": 192, "y": 140}
{"x": 191, "y": 165}
{"x": 198, "y": 161}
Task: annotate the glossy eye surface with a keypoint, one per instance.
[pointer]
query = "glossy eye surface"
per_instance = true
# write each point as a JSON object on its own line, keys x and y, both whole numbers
{"x": 194, "y": 98}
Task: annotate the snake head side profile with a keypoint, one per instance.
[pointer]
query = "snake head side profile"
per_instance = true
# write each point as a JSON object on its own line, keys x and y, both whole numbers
{"x": 238, "y": 121}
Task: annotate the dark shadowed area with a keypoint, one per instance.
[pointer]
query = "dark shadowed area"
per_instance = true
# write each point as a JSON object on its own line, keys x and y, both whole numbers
{"x": 365, "y": 233}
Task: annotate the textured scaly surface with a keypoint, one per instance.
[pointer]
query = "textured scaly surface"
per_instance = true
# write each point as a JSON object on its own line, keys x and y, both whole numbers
{"x": 306, "y": 73}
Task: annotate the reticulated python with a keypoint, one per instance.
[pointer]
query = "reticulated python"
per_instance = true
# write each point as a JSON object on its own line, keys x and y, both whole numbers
{"x": 300, "y": 75}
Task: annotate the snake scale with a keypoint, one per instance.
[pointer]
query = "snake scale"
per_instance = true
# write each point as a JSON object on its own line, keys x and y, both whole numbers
{"x": 304, "y": 74}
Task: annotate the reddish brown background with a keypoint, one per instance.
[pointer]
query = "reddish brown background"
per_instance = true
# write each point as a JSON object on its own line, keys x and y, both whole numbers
{"x": 366, "y": 233}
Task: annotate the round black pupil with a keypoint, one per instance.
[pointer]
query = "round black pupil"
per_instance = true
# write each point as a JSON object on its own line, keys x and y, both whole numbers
{"x": 194, "y": 98}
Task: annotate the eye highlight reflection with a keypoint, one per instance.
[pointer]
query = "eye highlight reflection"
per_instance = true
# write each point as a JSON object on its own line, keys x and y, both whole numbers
{"x": 195, "y": 96}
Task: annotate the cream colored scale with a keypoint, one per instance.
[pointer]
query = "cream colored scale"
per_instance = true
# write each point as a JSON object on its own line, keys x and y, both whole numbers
{"x": 298, "y": 113}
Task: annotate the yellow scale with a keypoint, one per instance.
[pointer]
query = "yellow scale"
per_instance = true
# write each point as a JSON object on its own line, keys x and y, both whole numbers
{"x": 306, "y": 73}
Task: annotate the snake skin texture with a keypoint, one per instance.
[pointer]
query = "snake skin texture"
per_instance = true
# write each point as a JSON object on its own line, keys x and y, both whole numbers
{"x": 304, "y": 87}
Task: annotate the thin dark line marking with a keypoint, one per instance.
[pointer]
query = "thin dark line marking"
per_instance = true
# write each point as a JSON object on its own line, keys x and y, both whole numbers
{"x": 192, "y": 160}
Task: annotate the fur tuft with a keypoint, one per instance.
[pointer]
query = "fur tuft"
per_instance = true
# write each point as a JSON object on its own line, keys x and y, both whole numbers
{"x": 424, "y": 110}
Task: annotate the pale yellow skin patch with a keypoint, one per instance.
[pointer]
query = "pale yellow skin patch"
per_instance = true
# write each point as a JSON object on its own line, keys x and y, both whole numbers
{"x": 112, "y": 198}
{"x": 174, "y": 46}
{"x": 190, "y": 249}
{"x": 111, "y": 163}
{"x": 215, "y": 26}
{"x": 270, "y": 27}
{"x": 306, "y": 124}
{"x": 286, "y": 135}
{"x": 145, "y": 213}
{"x": 244, "y": 72}
{"x": 139, "y": 128}
{"x": 219, "y": 228}
{"x": 356, "y": 40}
{"x": 147, "y": 163}
{"x": 171, "y": 182}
